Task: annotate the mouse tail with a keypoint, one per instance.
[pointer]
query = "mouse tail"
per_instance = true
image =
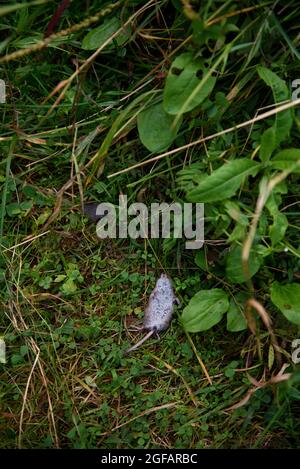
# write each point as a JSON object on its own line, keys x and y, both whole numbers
{"x": 138, "y": 344}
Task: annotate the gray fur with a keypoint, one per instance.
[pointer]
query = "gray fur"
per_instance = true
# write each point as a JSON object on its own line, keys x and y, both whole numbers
{"x": 159, "y": 311}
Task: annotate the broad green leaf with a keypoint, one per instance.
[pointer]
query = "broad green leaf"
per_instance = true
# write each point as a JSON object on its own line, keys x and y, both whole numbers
{"x": 235, "y": 318}
{"x": 287, "y": 159}
{"x": 183, "y": 78}
{"x": 234, "y": 267}
{"x": 287, "y": 300}
{"x": 26, "y": 205}
{"x": 95, "y": 38}
{"x": 13, "y": 209}
{"x": 278, "y": 228}
{"x": 280, "y": 222}
{"x": 268, "y": 143}
{"x": 204, "y": 310}
{"x": 224, "y": 181}
{"x": 156, "y": 129}
{"x": 279, "y": 131}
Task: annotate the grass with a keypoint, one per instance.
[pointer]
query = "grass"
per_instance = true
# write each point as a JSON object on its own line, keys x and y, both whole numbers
{"x": 69, "y": 135}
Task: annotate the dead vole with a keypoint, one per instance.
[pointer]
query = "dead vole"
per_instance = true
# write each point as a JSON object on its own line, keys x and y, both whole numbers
{"x": 159, "y": 311}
